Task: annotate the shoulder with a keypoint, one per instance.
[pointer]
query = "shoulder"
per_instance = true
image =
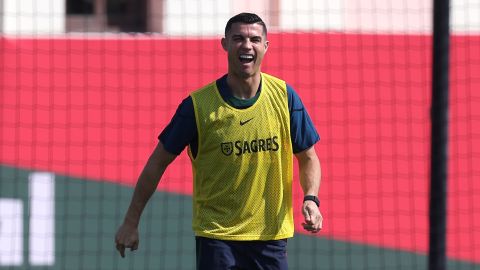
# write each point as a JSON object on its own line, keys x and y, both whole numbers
{"x": 185, "y": 109}
{"x": 274, "y": 85}
{"x": 273, "y": 79}
{"x": 294, "y": 100}
{"x": 181, "y": 130}
{"x": 203, "y": 90}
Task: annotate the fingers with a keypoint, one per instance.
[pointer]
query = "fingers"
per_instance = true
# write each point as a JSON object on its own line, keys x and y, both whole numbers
{"x": 315, "y": 225}
{"x": 134, "y": 246}
{"x": 121, "y": 249}
{"x": 311, "y": 228}
{"x": 308, "y": 217}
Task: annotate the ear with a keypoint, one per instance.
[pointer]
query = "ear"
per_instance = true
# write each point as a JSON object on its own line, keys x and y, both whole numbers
{"x": 224, "y": 44}
{"x": 266, "y": 45}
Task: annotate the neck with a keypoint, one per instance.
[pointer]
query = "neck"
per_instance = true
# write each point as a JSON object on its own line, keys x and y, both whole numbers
{"x": 243, "y": 88}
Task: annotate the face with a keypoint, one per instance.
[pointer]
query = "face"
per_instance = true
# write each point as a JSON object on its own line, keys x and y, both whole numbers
{"x": 246, "y": 45}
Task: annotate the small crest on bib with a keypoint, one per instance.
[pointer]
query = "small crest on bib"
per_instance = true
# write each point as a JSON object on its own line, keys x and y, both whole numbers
{"x": 227, "y": 148}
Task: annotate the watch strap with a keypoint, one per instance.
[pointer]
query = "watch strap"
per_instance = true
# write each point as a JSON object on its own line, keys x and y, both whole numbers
{"x": 312, "y": 198}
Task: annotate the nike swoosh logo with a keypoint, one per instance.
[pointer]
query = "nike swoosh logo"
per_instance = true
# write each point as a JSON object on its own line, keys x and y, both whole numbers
{"x": 246, "y": 121}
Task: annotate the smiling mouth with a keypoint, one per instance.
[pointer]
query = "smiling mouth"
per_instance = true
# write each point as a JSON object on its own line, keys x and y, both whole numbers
{"x": 246, "y": 58}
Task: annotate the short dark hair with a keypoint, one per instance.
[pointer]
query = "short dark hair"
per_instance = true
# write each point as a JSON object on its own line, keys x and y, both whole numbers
{"x": 248, "y": 18}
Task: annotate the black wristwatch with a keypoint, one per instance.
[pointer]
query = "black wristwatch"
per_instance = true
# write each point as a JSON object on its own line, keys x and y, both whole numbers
{"x": 312, "y": 198}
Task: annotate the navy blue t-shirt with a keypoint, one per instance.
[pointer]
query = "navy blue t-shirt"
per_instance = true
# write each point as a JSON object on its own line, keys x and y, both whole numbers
{"x": 182, "y": 129}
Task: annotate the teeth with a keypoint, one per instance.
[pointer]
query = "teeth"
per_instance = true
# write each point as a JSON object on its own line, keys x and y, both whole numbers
{"x": 246, "y": 56}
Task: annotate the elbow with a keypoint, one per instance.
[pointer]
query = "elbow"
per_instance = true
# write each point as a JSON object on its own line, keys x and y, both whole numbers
{"x": 308, "y": 156}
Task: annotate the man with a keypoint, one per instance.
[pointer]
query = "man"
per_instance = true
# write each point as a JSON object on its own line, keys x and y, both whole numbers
{"x": 242, "y": 131}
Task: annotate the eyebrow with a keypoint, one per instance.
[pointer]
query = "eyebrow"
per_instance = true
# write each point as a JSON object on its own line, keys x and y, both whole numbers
{"x": 242, "y": 36}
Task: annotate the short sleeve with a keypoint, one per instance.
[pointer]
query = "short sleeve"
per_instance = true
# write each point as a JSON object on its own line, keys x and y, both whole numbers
{"x": 182, "y": 129}
{"x": 302, "y": 130}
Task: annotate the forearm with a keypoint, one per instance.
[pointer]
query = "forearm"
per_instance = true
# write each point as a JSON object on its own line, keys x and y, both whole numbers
{"x": 310, "y": 172}
{"x": 144, "y": 189}
{"x": 147, "y": 183}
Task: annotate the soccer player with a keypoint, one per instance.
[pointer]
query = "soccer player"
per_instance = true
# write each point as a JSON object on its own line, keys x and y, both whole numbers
{"x": 242, "y": 131}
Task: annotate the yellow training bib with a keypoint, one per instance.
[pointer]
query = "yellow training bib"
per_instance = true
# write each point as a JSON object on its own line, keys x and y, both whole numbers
{"x": 243, "y": 168}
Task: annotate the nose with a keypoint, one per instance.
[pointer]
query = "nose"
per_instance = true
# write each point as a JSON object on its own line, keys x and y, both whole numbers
{"x": 247, "y": 44}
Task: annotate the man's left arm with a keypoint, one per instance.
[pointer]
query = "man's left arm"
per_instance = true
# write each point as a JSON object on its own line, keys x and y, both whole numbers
{"x": 310, "y": 175}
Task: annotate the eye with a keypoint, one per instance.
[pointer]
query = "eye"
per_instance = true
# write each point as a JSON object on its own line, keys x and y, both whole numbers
{"x": 237, "y": 38}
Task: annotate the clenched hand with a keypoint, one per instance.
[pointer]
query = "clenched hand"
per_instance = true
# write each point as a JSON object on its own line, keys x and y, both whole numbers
{"x": 126, "y": 237}
{"x": 312, "y": 216}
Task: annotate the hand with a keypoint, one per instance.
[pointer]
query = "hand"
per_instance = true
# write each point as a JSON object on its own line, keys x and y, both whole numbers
{"x": 313, "y": 217}
{"x": 126, "y": 237}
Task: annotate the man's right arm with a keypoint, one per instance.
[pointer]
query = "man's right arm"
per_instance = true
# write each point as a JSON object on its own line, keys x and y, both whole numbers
{"x": 127, "y": 234}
